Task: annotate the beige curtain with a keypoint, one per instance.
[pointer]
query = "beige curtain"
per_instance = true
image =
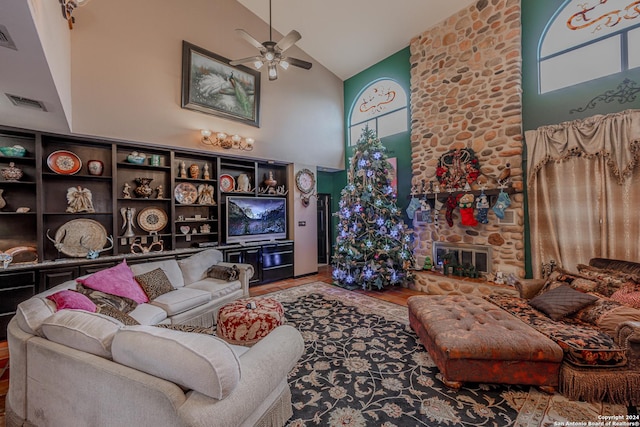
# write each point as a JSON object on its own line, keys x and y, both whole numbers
{"x": 584, "y": 190}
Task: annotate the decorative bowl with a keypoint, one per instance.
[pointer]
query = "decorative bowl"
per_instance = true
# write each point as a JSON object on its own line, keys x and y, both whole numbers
{"x": 15, "y": 151}
{"x": 137, "y": 158}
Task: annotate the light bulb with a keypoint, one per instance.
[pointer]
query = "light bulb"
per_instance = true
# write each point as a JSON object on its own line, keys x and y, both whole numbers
{"x": 269, "y": 56}
{"x": 236, "y": 138}
{"x": 249, "y": 141}
{"x": 206, "y": 133}
{"x": 273, "y": 73}
{"x": 284, "y": 64}
{"x": 258, "y": 64}
{"x": 221, "y": 136}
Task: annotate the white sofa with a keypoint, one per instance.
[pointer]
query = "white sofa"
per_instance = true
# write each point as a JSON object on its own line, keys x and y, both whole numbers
{"x": 77, "y": 368}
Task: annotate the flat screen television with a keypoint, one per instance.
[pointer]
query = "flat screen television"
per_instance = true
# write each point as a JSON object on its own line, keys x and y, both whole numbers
{"x": 256, "y": 218}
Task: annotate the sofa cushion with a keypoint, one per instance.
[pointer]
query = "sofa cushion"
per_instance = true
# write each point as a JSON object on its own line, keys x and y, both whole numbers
{"x": 628, "y": 294}
{"x": 169, "y": 266}
{"x": 608, "y": 280}
{"x": 68, "y": 299}
{"x": 148, "y": 314}
{"x": 216, "y": 287}
{"x": 118, "y": 281}
{"x": 197, "y": 362}
{"x": 84, "y": 331}
{"x": 583, "y": 345}
{"x": 154, "y": 283}
{"x": 561, "y": 301}
{"x": 181, "y": 300}
{"x": 195, "y": 267}
{"x": 102, "y": 299}
{"x": 30, "y": 314}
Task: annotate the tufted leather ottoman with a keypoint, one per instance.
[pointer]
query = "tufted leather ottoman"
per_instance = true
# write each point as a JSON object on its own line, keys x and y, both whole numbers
{"x": 240, "y": 324}
{"x": 472, "y": 340}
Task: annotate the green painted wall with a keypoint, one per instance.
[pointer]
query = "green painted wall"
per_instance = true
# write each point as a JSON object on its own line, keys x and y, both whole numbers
{"x": 396, "y": 67}
{"x": 554, "y": 107}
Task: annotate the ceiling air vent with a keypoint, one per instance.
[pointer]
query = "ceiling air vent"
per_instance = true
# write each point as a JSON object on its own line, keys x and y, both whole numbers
{"x": 19, "y": 101}
{"x": 5, "y": 38}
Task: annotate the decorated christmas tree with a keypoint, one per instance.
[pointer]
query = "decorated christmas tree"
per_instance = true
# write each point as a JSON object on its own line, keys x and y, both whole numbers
{"x": 374, "y": 248}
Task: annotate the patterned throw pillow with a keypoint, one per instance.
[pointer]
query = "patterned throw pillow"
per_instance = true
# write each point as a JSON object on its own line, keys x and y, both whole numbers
{"x": 123, "y": 317}
{"x": 628, "y": 294}
{"x": 100, "y": 299}
{"x": 608, "y": 281}
{"x": 561, "y": 301}
{"x": 154, "y": 283}
{"x": 224, "y": 273}
{"x": 188, "y": 328}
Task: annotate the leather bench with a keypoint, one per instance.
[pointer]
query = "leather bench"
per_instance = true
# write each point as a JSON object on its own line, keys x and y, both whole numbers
{"x": 472, "y": 340}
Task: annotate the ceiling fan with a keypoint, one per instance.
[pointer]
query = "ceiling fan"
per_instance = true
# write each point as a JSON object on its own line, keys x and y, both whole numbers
{"x": 272, "y": 53}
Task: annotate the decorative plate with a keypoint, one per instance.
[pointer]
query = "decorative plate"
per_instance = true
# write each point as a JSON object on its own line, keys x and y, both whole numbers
{"x": 64, "y": 162}
{"x": 227, "y": 183}
{"x": 76, "y": 237}
{"x": 186, "y": 193}
{"x": 152, "y": 219}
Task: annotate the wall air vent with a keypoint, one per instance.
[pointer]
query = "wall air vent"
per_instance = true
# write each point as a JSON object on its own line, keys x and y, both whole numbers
{"x": 20, "y": 101}
{"x": 5, "y": 38}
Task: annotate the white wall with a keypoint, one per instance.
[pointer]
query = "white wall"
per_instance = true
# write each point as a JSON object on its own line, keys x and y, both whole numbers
{"x": 126, "y": 80}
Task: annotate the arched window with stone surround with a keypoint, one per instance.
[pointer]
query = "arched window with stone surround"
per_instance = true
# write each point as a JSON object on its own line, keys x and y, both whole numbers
{"x": 383, "y": 106}
{"x": 588, "y": 39}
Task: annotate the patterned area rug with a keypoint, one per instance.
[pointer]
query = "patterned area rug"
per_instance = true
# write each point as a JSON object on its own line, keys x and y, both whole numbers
{"x": 364, "y": 366}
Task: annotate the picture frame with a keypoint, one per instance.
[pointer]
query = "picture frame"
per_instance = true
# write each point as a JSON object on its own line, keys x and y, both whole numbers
{"x": 210, "y": 85}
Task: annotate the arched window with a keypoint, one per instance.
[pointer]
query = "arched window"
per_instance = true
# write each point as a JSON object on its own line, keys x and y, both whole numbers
{"x": 383, "y": 107}
{"x": 588, "y": 39}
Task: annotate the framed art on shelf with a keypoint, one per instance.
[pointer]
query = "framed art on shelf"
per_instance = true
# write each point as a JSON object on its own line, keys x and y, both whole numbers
{"x": 212, "y": 86}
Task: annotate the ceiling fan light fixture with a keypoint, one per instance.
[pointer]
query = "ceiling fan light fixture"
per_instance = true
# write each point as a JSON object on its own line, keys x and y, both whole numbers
{"x": 258, "y": 64}
{"x": 269, "y": 56}
{"x": 273, "y": 72}
{"x": 284, "y": 64}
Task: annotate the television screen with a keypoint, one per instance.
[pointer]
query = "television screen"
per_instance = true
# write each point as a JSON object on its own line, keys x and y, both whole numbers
{"x": 256, "y": 218}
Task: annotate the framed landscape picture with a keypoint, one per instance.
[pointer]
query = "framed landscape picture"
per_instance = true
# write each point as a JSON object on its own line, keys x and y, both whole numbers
{"x": 210, "y": 85}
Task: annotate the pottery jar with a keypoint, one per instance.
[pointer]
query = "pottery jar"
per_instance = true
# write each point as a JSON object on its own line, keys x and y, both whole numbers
{"x": 12, "y": 173}
{"x": 95, "y": 167}
{"x": 194, "y": 171}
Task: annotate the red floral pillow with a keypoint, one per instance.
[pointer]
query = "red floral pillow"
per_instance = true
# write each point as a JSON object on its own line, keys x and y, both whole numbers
{"x": 628, "y": 294}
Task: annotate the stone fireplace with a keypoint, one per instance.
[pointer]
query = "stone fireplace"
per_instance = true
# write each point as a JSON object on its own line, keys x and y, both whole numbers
{"x": 477, "y": 255}
{"x": 466, "y": 93}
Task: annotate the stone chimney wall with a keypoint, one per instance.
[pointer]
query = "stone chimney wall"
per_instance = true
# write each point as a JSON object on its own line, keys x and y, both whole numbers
{"x": 466, "y": 93}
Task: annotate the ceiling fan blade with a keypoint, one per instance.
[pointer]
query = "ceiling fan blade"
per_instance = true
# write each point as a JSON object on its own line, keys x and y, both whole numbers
{"x": 245, "y": 60}
{"x": 248, "y": 37}
{"x": 289, "y": 40}
{"x": 298, "y": 63}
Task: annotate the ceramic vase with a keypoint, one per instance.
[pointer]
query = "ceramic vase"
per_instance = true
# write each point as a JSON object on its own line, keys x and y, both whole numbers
{"x": 144, "y": 189}
{"x": 95, "y": 167}
{"x": 194, "y": 171}
{"x": 12, "y": 173}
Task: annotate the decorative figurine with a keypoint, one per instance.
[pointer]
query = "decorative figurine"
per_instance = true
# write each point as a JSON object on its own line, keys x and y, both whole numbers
{"x": 205, "y": 173}
{"x": 183, "y": 170}
{"x": 244, "y": 185}
{"x": 126, "y": 191}
{"x": 160, "y": 190}
{"x": 205, "y": 195}
{"x": 79, "y": 200}
{"x": 12, "y": 173}
{"x": 3, "y": 202}
{"x": 127, "y": 218}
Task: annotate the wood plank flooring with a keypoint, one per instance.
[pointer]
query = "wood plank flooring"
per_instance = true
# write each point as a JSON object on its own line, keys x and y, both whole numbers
{"x": 394, "y": 295}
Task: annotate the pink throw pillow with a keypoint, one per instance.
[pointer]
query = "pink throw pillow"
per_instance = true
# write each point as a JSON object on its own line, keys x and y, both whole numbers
{"x": 118, "y": 281}
{"x": 73, "y": 300}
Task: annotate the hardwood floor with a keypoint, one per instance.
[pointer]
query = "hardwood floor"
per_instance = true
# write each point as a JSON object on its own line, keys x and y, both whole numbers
{"x": 394, "y": 295}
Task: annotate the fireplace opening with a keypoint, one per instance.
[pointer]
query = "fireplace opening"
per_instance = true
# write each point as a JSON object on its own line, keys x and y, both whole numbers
{"x": 477, "y": 255}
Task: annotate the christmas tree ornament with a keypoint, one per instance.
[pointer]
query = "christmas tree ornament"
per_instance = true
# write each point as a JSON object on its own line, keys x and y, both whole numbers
{"x": 482, "y": 208}
{"x": 466, "y": 210}
{"x": 502, "y": 203}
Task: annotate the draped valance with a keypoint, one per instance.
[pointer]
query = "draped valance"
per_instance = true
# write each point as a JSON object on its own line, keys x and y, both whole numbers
{"x": 615, "y": 137}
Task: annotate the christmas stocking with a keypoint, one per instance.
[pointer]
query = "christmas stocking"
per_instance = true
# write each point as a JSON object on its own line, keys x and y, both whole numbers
{"x": 451, "y": 204}
{"x": 503, "y": 203}
{"x": 414, "y": 204}
{"x": 437, "y": 206}
{"x": 482, "y": 208}
{"x": 426, "y": 212}
{"x": 466, "y": 210}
